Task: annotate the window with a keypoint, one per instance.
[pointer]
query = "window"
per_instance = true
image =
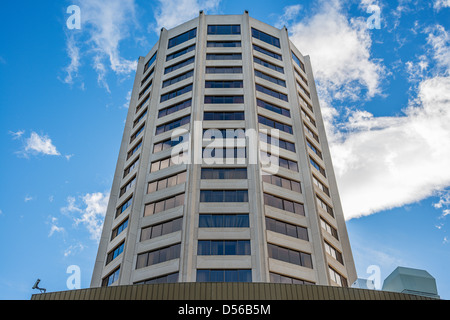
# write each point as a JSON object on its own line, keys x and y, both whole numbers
{"x": 267, "y": 52}
{"x": 224, "y": 29}
{"x": 221, "y": 84}
{"x": 324, "y": 206}
{"x": 320, "y": 185}
{"x": 337, "y": 278}
{"x": 287, "y": 229}
{"x": 224, "y": 99}
{"x": 313, "y": 148}
{"x": 124, "y": 206}
{"x": 275, "y": 124}
{"x": 303, "y": 89}
{"x": 317, "y": 166}
{"x": 326, "y": 226}
{"x": 282, "y": 182}
{"x": 210, "y": 116}
{"x": 223, "y": 247}
{"x": 128, "y": 186}
{"x": 298, "y": 62}
{"x": 267, "y": 77}
{"x": 179, "y": 65}
{"x": 279, "y": 278}
{"x": 223, "y": 44}
{"x": 147, "y": 76}
{"x": 307, "y": 116}
{"x": 288, "y": 255}
{"x": 266, "y": 37}
{"x": 224, "y": 275}
{"x": 164, "y": 163}
{"x": 137, "y": 133}
{"x": 142, "y": 103}
{"x": 179, "y": 53}
{"x": 306, "y": 103}
{"x": 174, "y": 108}
{"x": 272, "y": 107}
{"x": 173, "y": 124}
{"x": 110, "y": 279}
{"x": 144, "y": 91}
{"x": 268, "y": 65}
{"x": 223, "y": 56}
{"x": 170, "y": 143}
{"x": 134, "y": 149}
{"x": 224, "y": 173}
{"x": 300, "y": 76}
{"x": 282, "y": 162}
{"x": 271, "y": 92}
{"x": 150, "y": 62}
{"x": 283, "y": 144}
{"x": 311, "y": 133}
{"x": 225, "y": 153}
{"x": 284, "y": 204}
{"x": 176, "y": 93}
{"x": 118, "y": 230}
{"x": 161, "y": 229}
{"x": 333, "y": 252}
{"x": 167, "y": 182}
{"x": 215, "y": 70}
{"x": 191, "y": 34}
{"x": 115, "y": 253}
{"x": 168, "y": 278}
{"x": 223, "y": 221}
{"x": 237, "y": 134}
{"x": 149, "y": 258}
{"x": 163, "y": 205}
{"x": 223, "y": 196}
{"x": 142, "y": 116}
{"x": 131, "y": 167}
{"x": 179, "y": 78}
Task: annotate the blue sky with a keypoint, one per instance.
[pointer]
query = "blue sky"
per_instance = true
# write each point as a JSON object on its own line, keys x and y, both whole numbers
{"x": 64, "y": 98}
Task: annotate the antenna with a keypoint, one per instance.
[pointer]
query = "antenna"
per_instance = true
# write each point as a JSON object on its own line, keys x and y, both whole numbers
{"x": 36, "y": 286}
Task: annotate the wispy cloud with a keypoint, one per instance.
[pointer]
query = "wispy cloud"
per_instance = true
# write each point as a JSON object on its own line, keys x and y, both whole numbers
{"x": 439, "y": 4}
{"x": 105, "y": 25}
{"x": 16, "y": 135}
{"x": 54, "y": 228}
{"x": 380, "y": 162}
{"x": 39, "y": 144}
{"x": 88, "y": 211}
{"x": 171, "y": 13}
{"x": 339, "y": 48}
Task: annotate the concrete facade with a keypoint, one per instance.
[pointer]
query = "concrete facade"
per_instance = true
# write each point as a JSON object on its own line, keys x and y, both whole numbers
{"x": 327, "y": 242}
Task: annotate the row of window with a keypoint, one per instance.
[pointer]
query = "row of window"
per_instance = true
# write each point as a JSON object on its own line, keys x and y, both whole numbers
{"x": 273, "y": 108}
{"x": 289, "y": 255}
{"x": 275, "y": 124}
{"x": 115, "y": 253}
{"x": 223, "y": 247}
{"x": 224, "y": 173}
{"x": 167, "y": 182}
{"x": 149, "y": 258}
{"x": 230, "y": 115}
{"x": 282, "y": 182}
{"x": 176, "y": 93}
{"x": 178, "y": 78}
{"x": 224, "y": 275}
{"x": 170, "y": 143}
{"x": 223, "y": 221}
{"x": 223, "y": 196}
{"x": 283, "y": 144}
{"x": 287, "y": 229}
{"x": 164, "y": 204}
{"x": 282, "y": 162}
{"x": 161, "y": 229}
{"x": 284, "y": 204}
{"x": 173, "y": 124}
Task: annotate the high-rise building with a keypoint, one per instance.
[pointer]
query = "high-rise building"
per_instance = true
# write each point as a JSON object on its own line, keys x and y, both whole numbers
{"x": 224, "y": 172}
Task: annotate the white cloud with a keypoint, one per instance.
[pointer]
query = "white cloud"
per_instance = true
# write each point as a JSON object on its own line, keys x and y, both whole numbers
{"x": 54, "y": 227}
{"x": 439, "y": 4}
{"x": 28, "y": 198}
{"x": 105, "y": 25}
{"x": 289, "y": 15}
{"x": 386, "y": 162}
{"x": 17, "y": 135}
{"x": 171, "y": 13}
{"x": 73, "y": 249}
{"x": 40, "y": 144}
{"x": 90, "y": 213}
{"x": 340, "y": 53}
